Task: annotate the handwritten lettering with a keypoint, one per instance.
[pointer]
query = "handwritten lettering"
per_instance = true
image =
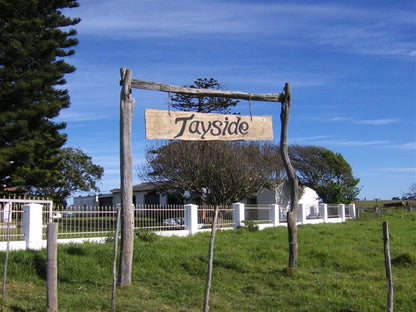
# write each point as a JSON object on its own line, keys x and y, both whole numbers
{"x": 215, "y": 128}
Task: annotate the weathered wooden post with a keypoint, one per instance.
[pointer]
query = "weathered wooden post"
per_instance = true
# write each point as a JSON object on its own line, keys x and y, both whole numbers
{"x": 293, "y": 181}
{"x": 52, "y": 267}
{"x": 117, "y": 229}
{"x": 389, "y": 276}
{"x": 127, "y": 210}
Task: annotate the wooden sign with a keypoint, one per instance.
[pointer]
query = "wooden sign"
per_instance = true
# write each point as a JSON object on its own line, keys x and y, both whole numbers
{"x": 162, "y": 124}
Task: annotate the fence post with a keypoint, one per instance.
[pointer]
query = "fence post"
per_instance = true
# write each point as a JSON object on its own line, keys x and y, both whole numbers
{"x": 238, "y": 214}
{"x": 52, "y": 267}
{"x": 6, "y": 213}
{"x": 274, "y": 214}
{"x": 323, "y": 211}
{"x": 352, "y": 211}
{"x": 32, "y": 226}
{"x": 191, "y": 218}
{"x": 302, "y": 213}
{"x": 341, "y": 212}
{"x": 389, "y": 275}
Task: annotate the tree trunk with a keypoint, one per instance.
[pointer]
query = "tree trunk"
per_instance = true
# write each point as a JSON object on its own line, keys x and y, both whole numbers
{"x": 127, "y": 210}
{"x": 293, "y": 181}
{"x": 210, "y": 261}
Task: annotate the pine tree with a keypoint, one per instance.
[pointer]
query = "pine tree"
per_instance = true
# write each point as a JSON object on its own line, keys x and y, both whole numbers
{"x": 203, "y": 104}
{"x": 35, "y": 36}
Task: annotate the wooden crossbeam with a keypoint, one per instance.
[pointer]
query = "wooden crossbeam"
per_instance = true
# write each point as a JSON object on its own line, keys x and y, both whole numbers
{"x": 156, "y": 86}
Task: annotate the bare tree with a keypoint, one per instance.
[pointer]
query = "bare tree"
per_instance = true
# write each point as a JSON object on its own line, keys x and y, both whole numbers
{"x": 215, "y": 173}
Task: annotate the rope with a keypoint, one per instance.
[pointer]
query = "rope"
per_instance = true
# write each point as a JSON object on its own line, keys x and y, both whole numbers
{"x": 169, "y": 101}
{"x": 249, "y": 104}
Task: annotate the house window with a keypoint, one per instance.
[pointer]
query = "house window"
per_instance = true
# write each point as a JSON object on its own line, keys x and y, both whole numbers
{"x": 151, "y": 198}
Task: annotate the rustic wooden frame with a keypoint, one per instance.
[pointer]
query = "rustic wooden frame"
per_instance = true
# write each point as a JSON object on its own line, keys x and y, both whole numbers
{"x": 126, "y": 112}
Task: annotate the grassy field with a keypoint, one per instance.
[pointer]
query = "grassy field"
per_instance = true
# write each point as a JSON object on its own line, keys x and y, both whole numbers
{"x": 341, "y": 268}
{"x": 368, "y": 204}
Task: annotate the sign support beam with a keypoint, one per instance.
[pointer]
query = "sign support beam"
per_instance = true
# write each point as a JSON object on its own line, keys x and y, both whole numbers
{"x": 126, "y": 180}
{"x": 156, "y": 86}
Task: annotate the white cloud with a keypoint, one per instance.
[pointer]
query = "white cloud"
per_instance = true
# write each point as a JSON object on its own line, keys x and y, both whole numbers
{"x": 399, "y": 169}
{"x": 69, "y": 116}
{"x": 333, "y": 141}
{"x": 371, "y": 30}
{"x": 378, "y": 122}
{"x": 406, "y": 146}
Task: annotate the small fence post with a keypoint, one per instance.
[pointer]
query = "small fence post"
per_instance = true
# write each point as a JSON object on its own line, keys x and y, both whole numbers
{"x": 191, "y": 218}
{"x": 341, "y": 212}
{"x": 352, "y": 211}
{"x": 52, "y": 267}
{"x": 274, "y": 214}
{"x": 238, "y": 214}
{"x": 389, "y": 275}
{"x": 6, "y": 213}
{"x": 302, "y": 213}
{"x": 323, "y": 211}
{"x": 32, "y": 226}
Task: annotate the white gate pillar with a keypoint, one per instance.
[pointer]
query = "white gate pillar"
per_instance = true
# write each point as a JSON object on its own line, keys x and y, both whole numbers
{"x": 32, "y": 226}
{"x": 323, "y": 211}
{"x": 6, "y": 214}
{"x": 191, "y": 218}
{"x": 274, "y": 214}
{"x": 238, "y": 214}
{"x": 302, "y": 213}
{"x": 341, "y": 211}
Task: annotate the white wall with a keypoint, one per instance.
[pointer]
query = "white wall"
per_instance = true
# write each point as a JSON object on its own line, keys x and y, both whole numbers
{"x": 267, "y": 197}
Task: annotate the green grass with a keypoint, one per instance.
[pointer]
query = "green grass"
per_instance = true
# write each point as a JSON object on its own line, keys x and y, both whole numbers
{"x": 341, "y": 268}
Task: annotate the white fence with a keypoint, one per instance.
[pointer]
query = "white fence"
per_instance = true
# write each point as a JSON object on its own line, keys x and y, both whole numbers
{"x": 24, "y": 224}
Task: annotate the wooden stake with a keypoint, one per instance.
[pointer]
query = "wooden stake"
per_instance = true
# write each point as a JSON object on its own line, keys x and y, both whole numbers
{"x": 6, "y": 258}
{"x": 51, "y": 267}
{"x": 210, "y": 261}
{"x": 389, "y": 275}
{"x": 117, "y": 229}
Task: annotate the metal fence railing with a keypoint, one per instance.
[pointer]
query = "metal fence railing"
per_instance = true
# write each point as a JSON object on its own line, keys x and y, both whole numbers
{"x": 11, "y": 216}
{"x": 86, "y": 223}
{"x": 333, "y": 211}
{"x": 100, "y": 222}
{"x": 206, "y": 216}
{"x": 156, "y": 217}
{"x": 257, "y": 213}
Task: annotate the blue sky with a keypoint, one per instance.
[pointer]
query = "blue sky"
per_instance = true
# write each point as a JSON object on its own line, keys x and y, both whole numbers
{"x": 351, "y": 66}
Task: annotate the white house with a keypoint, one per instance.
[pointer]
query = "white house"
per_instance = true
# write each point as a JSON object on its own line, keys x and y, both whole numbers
{"x": 147, "y": 194}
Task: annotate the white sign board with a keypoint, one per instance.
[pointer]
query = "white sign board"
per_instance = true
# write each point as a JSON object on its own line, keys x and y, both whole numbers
{"x": 162, "y": 124}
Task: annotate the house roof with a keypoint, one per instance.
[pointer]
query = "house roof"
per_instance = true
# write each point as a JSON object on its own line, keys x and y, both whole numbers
{"x": 145, "y": 186}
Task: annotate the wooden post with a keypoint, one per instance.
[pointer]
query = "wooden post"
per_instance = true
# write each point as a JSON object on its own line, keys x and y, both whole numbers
{"x": 389, "y": 276}
{"x": 293, "y": 181}
{"x": 117, "y": 229}
{"x": 51, "y": 267}
{"x": 210, "y": 261}
{"x": 127, "y": 211}
{"x": 6, "y": 257}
